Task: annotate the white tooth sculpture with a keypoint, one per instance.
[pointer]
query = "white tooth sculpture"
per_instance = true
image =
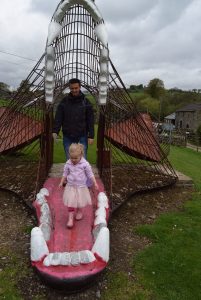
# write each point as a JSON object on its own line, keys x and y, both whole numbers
{"x": 65, "y": 259}
{"x": 101, "y": 212}
{"x": 59, "y": 14}
{"x": 45, "y": 221}
{"x": 45, "y": 214}
{"x": 89, "y": 5}
{"x": 69, "y": 258}
{"x": 100, "y": 220}
{"x": 45, "y": 218}
{"x": 48, "y": 259}
{"x": 75, "y": 258}
{"x": 39, "y": 247}
{"x": 54, "y": 31}
{"x": 46, "y": 230}
{"x": 50, "y": 66}
{"x": 40, "y": 199}
{"x": 104, "y": 68}
{"x": 86, "y": 257}
{"x": 101, "y": 33}
{"x": 49, "y": 74}
{"x": 44, "y": 192}
{"x": 101, "y": 246}
{"x": 104, "y": 55}
{"x": 45, "y": 209}
{"x": 97, "y": 229}
{"x": 55, "y": 260}
{"x": 102, "y": 98}
{"x": 103, "y": 77}
{"x": 102, "y": 200}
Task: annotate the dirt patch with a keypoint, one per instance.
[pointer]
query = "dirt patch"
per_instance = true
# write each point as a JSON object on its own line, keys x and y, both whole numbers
{"x": 16, "y": 222}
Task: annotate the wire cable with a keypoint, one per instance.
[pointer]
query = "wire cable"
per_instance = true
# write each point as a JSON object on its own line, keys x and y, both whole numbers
{"x": 17, "y": 55}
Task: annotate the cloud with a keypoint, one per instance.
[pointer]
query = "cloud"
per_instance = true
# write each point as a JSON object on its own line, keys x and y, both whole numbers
{"x": 147, "y": 39}
{"x": 22, "y": 32}
{"x": 116, "y": 12}
{"x": 46, "y": 7}
{"x": 159, "y": 43}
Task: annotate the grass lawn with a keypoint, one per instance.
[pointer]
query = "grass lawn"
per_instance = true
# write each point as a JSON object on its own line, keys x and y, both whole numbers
{"x": 170, "y": 267}
{"x": 188, "y": 162}
{"x": 13, "y": 270}
{"x": 4, "y": 102}
{"x": 59, "y": 156}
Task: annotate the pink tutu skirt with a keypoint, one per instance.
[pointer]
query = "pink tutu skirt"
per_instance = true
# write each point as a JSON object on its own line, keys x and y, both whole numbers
{"x": 75, "y": 196}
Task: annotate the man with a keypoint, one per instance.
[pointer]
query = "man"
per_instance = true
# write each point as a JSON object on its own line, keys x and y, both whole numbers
{"x": 76, "y": 118}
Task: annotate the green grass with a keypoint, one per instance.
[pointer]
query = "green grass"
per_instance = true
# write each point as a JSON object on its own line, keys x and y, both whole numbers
{"x": 59, "y": 156}
{"x": 188, "y": 162}
{"x": 14, "y": 270}
{"x": 10, "y": 274}
{"x": 122, "y": 288}
{"x": 170, "y": 268}
{"x": 4, "y": 102}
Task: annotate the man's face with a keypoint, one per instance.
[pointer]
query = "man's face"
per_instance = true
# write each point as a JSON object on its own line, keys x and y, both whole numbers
{"x": 74, "y": 89}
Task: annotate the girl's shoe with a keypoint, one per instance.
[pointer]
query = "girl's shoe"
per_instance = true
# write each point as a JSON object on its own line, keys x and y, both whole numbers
{"x": 70, "y": 220}
{"x": 64, "y": 183}
{"x": 79, "y": 215}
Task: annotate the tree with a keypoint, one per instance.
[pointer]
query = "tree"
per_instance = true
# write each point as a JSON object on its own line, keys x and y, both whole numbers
{"x": 199, "y": 133}
{"x": 151, "y": 106}
{"x": 4, "y": 87}
{"x": 24, "y": 86}
{"x": 136, "y": 88}
{"x": 4, "y": 90}
{"x": 26, "y": 90}
{"x": 155, "y": 88}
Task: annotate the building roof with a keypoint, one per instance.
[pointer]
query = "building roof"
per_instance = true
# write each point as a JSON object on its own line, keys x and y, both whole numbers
{"x": 190, "y": 107}
{"x": 170, "y": 117}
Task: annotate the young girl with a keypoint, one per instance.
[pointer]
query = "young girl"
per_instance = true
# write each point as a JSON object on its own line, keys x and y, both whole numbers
{"x": 76, "y": 194}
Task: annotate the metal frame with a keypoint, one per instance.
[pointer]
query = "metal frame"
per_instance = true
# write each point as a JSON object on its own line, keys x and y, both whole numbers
{"x": 133, "y": 162}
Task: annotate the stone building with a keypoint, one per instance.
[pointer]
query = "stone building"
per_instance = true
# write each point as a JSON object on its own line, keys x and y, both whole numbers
{"x": 188, "y": 118}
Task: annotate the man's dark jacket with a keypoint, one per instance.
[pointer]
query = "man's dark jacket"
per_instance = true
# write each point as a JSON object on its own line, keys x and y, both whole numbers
{"x": 75, "y": 116}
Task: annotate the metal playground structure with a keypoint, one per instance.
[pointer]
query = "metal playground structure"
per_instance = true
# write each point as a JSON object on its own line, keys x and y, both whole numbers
{"x": 130, "y": 157}
{"x": 128, "y": 149}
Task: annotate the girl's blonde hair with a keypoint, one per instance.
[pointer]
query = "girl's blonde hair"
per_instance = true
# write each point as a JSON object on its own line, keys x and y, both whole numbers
{"x": 76, "y": 149}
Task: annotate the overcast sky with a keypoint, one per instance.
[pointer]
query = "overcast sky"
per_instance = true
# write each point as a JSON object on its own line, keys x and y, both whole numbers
{"x": 147, "y": 39}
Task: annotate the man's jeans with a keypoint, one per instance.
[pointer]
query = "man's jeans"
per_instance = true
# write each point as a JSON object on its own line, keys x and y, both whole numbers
{"x": 68, "y": 141}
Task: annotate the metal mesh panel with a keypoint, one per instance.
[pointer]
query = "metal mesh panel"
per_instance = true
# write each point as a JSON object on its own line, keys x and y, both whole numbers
{"x": 131, "y": 157}
{"x": 25, "y": 148}
{"x": 77, "y": 51}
